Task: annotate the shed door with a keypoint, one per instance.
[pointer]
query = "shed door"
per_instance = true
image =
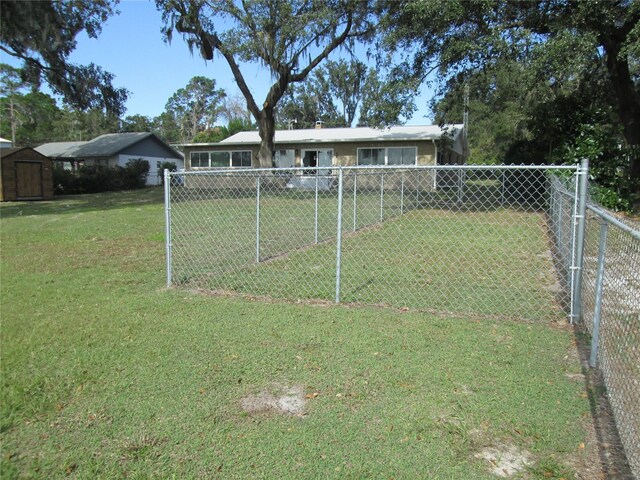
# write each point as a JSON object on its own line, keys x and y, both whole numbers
{"x": 28, "y": 179}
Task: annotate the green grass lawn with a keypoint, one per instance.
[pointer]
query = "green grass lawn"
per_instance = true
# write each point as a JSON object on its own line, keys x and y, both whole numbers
{"x": 105, "y": 373}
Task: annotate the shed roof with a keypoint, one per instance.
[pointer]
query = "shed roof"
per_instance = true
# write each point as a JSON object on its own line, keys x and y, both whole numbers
{"x": 103, "y": 146}
{"x": 6, "y": 152}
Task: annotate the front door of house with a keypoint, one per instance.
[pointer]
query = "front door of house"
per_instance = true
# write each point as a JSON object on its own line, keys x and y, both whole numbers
{"x": 312, "y": 159}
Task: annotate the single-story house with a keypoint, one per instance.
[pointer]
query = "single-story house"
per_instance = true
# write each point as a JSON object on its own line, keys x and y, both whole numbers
{"x": 326, "y": 147}
{"x": 115, "y": 149}
{"x": 25, "y": 174}
{"x": 330, "y": 147}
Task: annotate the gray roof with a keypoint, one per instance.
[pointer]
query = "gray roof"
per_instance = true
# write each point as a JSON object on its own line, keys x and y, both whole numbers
{"x": 109, "y": 144}
{"x": 103, "y": 146}
{"x": 360, "y": 134}
{"x": 59, "y": 149}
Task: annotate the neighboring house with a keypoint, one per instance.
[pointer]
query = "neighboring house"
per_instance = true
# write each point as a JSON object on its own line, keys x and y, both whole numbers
{"x": 4, "y": 143}
{"x": 115, "y": 149}
{"x": 411, "y": 145}
{"x": 25, "y": 174}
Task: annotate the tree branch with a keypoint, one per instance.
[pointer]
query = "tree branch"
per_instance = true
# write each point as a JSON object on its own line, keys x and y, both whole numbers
{"x": 337, "y": 41}
{"x": 215, "y": 42}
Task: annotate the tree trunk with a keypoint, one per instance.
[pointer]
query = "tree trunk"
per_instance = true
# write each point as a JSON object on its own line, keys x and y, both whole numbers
{"x": 14, "y": 122}
{"x": 628, "y": 107}
{"x": 267, "y": 131}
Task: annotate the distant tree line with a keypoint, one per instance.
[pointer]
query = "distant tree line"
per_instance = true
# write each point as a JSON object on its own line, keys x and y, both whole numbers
{"x": 197, "y": 112}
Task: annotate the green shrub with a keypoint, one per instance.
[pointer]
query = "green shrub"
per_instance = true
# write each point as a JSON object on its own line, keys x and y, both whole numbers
{"x": 171, "y": 166}
{"x": 64, "y": 182}
{"x": 98, "y": 178}
{"x": 135, "y": 173}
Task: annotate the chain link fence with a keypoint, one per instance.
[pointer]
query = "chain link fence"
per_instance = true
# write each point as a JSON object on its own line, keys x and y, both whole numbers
{"x": 461, "y": 240}
{"x": 608, "y": 302}
{"x": 611, "y": 314}
{"x": 502, "y": 242}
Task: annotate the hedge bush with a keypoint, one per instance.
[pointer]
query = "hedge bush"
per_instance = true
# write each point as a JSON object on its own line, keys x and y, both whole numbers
{"x": 98, "y": 178}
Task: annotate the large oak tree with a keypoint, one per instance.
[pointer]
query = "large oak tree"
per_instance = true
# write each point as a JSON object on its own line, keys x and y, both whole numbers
{"x": 43, "y": 34}
{"x": 288, "y": 37}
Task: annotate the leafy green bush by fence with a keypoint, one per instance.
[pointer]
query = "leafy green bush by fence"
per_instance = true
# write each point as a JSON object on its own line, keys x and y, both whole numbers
{"x": 171, "y": 166}
{"x": 98, "y": 178}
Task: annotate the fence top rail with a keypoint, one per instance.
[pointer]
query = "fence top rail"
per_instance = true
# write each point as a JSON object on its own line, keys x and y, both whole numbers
{"x": 246, "y": 171}
{"x": 615, "y": 221}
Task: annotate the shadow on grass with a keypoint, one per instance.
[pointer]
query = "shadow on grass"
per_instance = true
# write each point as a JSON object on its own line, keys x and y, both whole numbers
{"x": 83, "y": 203}
{"x": 610, "y": 449}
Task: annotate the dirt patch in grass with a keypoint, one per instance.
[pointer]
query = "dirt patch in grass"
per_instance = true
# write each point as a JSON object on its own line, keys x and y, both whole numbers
{"x": 277, "y": 399}
{"x": 505, "y": 460}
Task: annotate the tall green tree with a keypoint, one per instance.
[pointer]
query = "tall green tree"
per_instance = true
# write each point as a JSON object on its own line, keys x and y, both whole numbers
{"x": 75, "y": 125}
{"x": 40, "y": 119}
{"x": 309, "y": 102}
{"x": 288, "y": 37}
{"x": 338, "y": 91}
{"x": 166, "y": 126}
{"x": 137, "y": 123}
{"x": 196, "y": 107}
{"x": 12, "y": 108}
{"x": 42, "y": 34}
{"x": 562, "y": 43}
{"x": 346, "y": 81}
{"x": 386, "y": 101}
{"x": 500, "y": 105}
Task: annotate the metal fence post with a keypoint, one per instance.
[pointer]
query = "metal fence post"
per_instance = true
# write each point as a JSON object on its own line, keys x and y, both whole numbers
{"x": 382, "y": 197}
{"x": 167, "y": 221}
{"x": 402, "y": 193}
{"x": 315, "y": 230}
{"x": 595, "y": 335}
{"x": 583, "y": 173}
{"x": 460, "y": 182}
{"x": 355, "y": 194}
{"x": 258, "y": 219}
{"x": 502, "y": 186}
{"x": 339, "y": 238}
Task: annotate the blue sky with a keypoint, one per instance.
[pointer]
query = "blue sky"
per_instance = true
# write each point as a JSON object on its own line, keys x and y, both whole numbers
{"x": 131, "y": 47}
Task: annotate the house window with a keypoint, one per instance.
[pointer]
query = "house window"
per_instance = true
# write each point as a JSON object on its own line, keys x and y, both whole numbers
{"x": 241, "y": 159}
{"x": 284, "y": 158}
{"x": 388, "y": 156}
{"x": 199, "y": 159}
{"x": 402, "y": 155}
{"x": 371, "y": 156}
{"x": 220, "y": 159}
